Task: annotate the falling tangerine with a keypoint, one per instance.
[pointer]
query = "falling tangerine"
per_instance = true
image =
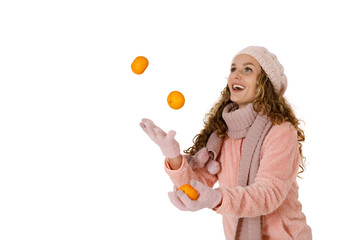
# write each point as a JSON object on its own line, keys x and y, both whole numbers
{"x": 176, "y": 100}
{"x": 190, "y": 191}
{"x": 139, "y": 65}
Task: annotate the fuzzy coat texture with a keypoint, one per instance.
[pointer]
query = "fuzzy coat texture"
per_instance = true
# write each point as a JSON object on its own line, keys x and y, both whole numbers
{"x": 273, "y": 195}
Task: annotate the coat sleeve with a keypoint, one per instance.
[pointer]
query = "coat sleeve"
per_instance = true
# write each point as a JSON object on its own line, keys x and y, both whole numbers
{"x": 279, "y": 164}
{"x": 185, "y": 174}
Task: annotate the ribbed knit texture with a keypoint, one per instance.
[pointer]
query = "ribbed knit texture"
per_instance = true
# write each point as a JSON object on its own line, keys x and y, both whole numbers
{"x": 214, "y": 144}
{"x": 245, "y": 122}
{"x": 271, "y": 65}
{"x": 252, "y": 227}
{"x": 237, "y": 120}
{"x": 251, "y": 149}
{"x": 241, "y": 123}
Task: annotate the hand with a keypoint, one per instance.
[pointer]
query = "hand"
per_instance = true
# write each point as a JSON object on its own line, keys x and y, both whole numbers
{"x": 205, "y": 157}
{"x": 167, "y": 143}
{"x": 199, "y": 159}
{"x": 208, "y": 198}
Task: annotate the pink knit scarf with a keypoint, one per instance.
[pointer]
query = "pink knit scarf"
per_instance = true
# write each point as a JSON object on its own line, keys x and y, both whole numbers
{"x": 245, "y": 122}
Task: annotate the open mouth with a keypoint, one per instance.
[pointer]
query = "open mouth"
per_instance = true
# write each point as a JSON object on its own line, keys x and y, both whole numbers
{"x": 237, "y": 87}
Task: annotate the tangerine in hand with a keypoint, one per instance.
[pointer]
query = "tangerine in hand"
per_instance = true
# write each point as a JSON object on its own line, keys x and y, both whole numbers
{"x": 139, "y": 65}
{"x": 190, "y": 191}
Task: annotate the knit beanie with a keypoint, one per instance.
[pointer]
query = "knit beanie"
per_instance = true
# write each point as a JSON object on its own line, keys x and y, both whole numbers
{"x": 269, "y": 62}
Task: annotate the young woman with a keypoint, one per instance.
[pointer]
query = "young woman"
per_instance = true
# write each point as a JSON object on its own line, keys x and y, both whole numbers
{"x": 251, "y": 145}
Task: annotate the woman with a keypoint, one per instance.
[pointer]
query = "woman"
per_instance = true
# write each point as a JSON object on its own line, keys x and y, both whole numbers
{"x": 251, "y": 144}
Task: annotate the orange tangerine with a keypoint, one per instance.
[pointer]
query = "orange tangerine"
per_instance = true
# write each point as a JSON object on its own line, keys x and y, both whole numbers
{"x": 190, "y": 191}
{"x": 139, "y": 65}
{"x": 176, "y": 100}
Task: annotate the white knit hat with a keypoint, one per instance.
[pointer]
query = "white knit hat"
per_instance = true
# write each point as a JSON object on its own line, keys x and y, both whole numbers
{"x": 270, "y": 64}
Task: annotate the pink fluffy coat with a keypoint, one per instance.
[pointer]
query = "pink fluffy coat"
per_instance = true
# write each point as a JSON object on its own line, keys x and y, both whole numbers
{"x": 274, "y": 193}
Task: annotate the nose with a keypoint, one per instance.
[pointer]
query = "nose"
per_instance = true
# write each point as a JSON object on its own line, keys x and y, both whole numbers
{"x": 237, "y": 74}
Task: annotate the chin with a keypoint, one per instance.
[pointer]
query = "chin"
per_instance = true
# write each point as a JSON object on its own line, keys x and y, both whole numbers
{"x": 237, "y": 101}
{"x": 240, "y": 103}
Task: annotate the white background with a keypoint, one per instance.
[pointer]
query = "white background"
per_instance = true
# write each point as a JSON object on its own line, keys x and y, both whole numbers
{"x": 74, "y": 163}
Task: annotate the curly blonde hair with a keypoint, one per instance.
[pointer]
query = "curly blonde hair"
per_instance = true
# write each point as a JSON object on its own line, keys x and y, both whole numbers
{"x": 267, "y": 101}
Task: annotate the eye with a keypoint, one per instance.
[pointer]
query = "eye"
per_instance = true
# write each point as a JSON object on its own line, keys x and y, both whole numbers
{"x": 247, "y": 69}
{"x": 232, "y": 69}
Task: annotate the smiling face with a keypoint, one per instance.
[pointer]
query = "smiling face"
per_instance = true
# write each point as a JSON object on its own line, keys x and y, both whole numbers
{"x": 242, "y": 80}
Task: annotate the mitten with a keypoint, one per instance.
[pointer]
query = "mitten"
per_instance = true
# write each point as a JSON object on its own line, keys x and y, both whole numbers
{"x": 208, "y": 198}
{"x": 207, "y": 155}
{"x": 167, "y": 143}
{"x": 204, "y": 157}
{"x": 199, "y": 159}
{"x": 213, "y": 166}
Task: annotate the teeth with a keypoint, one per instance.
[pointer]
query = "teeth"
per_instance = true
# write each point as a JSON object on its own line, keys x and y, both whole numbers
{"x": 238, "y": 87}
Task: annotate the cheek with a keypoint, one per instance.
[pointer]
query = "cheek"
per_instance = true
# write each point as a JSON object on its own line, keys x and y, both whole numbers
{"x": 252, "y": 85}
{"x": 228, "y": 80}
{"x": 253, "y": 89}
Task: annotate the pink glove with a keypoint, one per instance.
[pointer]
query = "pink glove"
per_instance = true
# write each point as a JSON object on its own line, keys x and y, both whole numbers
{"x": 208, "y": 198}
{"x": 205, "y": 157}
{"x": 200, "y": 158}
{"x": 167, "y": 143}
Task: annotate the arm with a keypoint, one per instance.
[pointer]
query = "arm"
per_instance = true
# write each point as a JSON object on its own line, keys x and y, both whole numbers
{"x": 184, "y": 174}
{"x": 278, "y": 169}
{"x": 175, "y": 163}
